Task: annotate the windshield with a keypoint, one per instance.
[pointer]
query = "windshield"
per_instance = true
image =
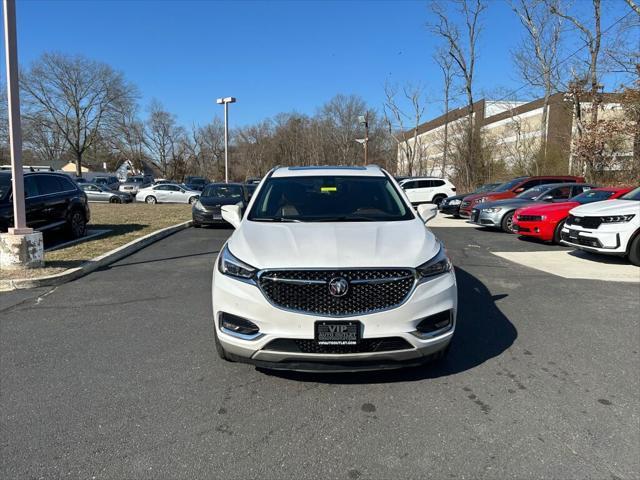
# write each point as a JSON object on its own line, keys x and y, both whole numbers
{"x": 5, "y": 185}
{"x": 532, "y": 193}
{"x": 223, "y": 191}
{"x": 632, "y": 195}
{"x": 508, "y": 185}
{"x": 329, "y": 199}
{"x": 489, "y": 187}
{"x": 592, "y": 196}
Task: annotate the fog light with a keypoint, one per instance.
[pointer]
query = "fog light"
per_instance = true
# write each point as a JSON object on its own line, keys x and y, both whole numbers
{"x": 436, "y": 322}
{"x": 537, "y": 230}
{"x": 238, "y": 325}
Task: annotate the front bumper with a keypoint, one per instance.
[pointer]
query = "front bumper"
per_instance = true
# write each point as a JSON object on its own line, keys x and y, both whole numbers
{"x": 450, "y": 209}
{"x": 536, "y": 229}
{"x": 207, "y": 218}
{"x": 610, "y": 239}
{"x": 246, "y": 300}
{"x": 486, "y": 219}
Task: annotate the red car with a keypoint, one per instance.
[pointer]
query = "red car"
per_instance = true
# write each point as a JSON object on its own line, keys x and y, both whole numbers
{"x": 511, "y": 189}
{"x": 545, "y": 221}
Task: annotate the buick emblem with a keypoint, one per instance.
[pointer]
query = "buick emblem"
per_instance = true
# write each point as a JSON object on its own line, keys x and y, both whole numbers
{"x": 338, "y": 287}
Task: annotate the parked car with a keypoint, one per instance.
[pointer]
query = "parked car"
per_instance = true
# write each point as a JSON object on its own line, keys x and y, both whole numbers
{"x": 133, "y": 184}
{"x": 512, "y": 188}
{"x": 167, "y": 193}
{"x": 611, "y": 227}
{"x": 195, "y": 183}
{"x": 499, "y": 214}
{"x": 451, "y": 205}
{"x": 99, "y": 193}
{"x": 52, "y": 201}
{"x": 427, "y": 189}
{"x": 206, "y": 211}
{"x": 110, "y": 181}
{"x": 545, "y": 222}
{"x": 313, "y": 276}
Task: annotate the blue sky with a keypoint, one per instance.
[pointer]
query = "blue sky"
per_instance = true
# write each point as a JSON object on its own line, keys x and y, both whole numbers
{"x": 273, "y": 56}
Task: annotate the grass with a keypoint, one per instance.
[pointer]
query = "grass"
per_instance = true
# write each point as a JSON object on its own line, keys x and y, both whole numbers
{"x": 126, "y": 222}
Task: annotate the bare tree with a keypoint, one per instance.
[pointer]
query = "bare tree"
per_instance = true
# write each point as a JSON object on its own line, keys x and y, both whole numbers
{"x": 42, "y": 137}
{"x": 77, "y": 96}
{"x": 460, "y": 42}
{"x": 445, "y": 62}
{"x": 162, "y": 136}
{"x": 341, "y": 114}
{"x": 633, "y": 6}
{"x": 402, "y": 124}
{"x": 537, "y": 56}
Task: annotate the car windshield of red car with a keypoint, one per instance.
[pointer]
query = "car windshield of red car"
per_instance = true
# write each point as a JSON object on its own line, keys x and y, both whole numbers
{"x": 632, "y": 195}
{"x": 505, "y": 187}
{"x": 592, "y": 196}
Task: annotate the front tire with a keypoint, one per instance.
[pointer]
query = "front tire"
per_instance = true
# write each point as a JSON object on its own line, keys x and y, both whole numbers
{"x": 77, "y": 225}
{"x": 438, "y": 199}
{"x": 507, "y": 223}
{"x": 151, "y": 200}
{"x": 115, "y": 200}
{"x": 634, "y": 251}
{"x": 557, "y": 233}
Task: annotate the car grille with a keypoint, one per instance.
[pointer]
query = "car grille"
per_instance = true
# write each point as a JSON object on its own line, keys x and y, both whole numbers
{"x": 584, "y": 222}
{"x": 307, "y": 291}
{"x": 212, "y": 208}
{"x": 529, "y": 218}
{"x": 580, "y": 240}
{"x": 366, "y": 345}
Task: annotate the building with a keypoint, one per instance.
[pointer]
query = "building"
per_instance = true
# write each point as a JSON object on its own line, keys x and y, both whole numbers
{"x": 512, "y": 131}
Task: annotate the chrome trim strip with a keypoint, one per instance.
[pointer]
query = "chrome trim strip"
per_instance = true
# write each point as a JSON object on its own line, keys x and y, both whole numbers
{"x": 295, "y": 281}
{"x": 381, "y": 280}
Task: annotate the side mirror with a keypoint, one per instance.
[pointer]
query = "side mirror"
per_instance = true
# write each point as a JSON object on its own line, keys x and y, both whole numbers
{"x": 232, "y": 214}
{"x": 182, "y": 190}
{"x": 547, "y": 198}
{"x": 427, "y": 211}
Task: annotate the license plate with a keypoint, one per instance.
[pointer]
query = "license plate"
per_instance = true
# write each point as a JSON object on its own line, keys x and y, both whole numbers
{"x": 337, "y": 333}
{"x": 216, "y": 216}
{"x": 573, "y": 234}
{"x": 474, "y": 215}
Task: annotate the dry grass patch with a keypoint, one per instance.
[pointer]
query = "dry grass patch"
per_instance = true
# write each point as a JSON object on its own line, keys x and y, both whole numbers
{"x": 126, "y": 222}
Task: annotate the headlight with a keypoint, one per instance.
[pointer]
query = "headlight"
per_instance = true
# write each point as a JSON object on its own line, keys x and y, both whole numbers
{"x": 492, "y": 209}
{"x": 230, "y": 265}
{"x": 617, "y": 218}
{"x": 455, "y": 202}
{"x": 436, "y": 266}
{"x": 198, "y": 206}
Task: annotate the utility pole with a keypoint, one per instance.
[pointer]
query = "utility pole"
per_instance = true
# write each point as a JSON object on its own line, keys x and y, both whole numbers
{"x": 364, "y": 120}
{"x": 226, "y": 101}
{"x": 20, "y": 247}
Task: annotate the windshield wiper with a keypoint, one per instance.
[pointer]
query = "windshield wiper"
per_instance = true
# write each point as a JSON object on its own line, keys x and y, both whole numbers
{"x": 346, "y": 218}
{"x": 275, "y": 219}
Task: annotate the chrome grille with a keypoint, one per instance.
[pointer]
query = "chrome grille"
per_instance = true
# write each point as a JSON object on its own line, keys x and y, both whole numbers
{"x": 307, "y": 291}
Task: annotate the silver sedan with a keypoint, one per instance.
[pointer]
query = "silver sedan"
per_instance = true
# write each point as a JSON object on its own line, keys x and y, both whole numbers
{"x": 167, "y": 193}
{"x": 101, "y": 193}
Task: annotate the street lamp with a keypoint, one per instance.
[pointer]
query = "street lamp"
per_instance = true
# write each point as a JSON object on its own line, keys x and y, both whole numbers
{"x": 226, "y": 101}
{"x": 364, "y": 120}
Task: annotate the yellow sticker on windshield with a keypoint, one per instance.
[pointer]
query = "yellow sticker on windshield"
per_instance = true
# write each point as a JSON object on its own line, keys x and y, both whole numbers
{"x": 328, "y": 189}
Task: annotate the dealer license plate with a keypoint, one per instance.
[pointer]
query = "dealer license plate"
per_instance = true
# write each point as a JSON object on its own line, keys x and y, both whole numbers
{"x": 337, "y": 332}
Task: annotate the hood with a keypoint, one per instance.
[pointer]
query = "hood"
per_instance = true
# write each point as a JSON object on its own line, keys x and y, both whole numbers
{"x": 548, "y": 208}
{"x": 333, "y": 245}
{"x": 608, "y": 207}
{"x": 507, "y": 203}
{"x": 214, "y": 201}
{"x": 491, "y": 196}
{"x": 458, "y": 197}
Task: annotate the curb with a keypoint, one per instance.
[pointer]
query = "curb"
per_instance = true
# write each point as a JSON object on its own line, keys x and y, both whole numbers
{"x": 95, "y": 263}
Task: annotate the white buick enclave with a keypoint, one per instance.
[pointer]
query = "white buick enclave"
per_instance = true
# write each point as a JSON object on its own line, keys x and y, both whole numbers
{"x": 331, "y": 269}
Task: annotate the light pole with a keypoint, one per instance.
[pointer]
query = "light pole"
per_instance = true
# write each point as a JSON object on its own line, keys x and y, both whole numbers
{"x": 364, "y": 120}
{"x": 226, "y": 101}
{"x": 20, "y": 246}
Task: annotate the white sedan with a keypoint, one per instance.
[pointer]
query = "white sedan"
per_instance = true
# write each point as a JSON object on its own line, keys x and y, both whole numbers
{"x": 167, "y": 193}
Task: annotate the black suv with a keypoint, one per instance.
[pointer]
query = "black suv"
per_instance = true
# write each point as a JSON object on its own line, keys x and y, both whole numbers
{"x": 52, "y": 200}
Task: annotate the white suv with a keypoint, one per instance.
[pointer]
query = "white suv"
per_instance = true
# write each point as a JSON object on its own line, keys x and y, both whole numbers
{"x": 427, "y": 189}
{"x": 331, "y": 269}
{"x": 611, "y": 227}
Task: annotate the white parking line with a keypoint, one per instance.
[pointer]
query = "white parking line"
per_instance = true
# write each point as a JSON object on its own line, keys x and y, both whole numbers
{"x": 576, "y": 264}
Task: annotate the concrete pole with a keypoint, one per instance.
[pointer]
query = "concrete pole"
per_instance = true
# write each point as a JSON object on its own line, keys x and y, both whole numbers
{"x": 226, "y": 142}
{"x": 15, "y": 131}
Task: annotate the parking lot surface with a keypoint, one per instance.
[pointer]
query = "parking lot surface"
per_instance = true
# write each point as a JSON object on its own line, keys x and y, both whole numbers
{"x": 115, "y": 376}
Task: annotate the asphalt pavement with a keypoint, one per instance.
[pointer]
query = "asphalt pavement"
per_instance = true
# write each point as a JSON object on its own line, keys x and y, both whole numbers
{"x": 115, "y": 376}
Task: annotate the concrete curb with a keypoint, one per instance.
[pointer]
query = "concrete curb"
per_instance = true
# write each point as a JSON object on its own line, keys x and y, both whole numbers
{"x": 95, "y": 263}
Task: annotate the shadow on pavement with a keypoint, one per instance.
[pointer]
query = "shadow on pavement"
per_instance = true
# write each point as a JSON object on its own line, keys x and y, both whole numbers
{"x": 482, "y": 332}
